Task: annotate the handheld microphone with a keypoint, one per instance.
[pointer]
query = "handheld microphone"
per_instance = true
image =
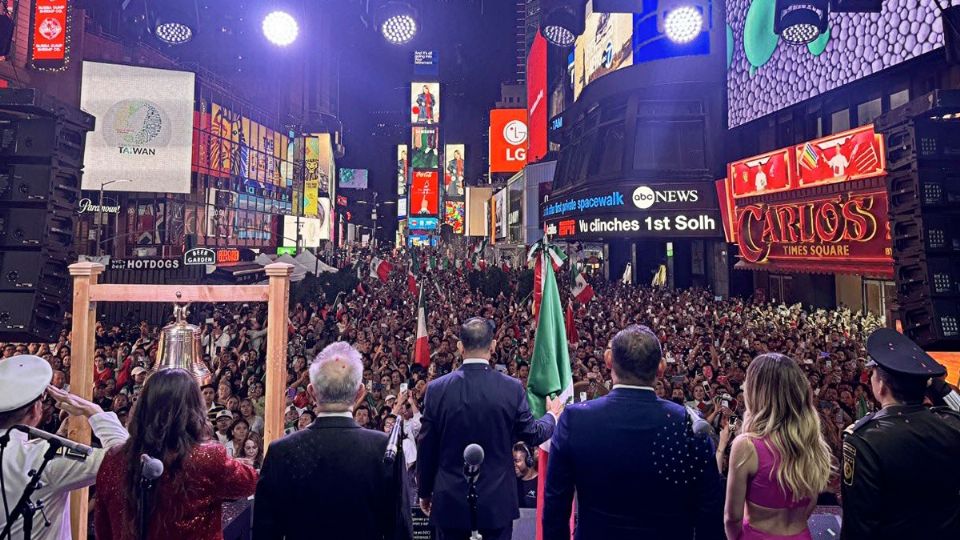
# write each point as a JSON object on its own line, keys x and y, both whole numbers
{"x": 390, "y": 455}
{"x": 150, "y": 468}
{"x": 472, "y": 459}
{"x": 80, "y": 451}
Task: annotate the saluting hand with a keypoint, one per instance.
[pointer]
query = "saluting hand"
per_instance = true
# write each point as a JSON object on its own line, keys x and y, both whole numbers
{"x": 73, "y": 404}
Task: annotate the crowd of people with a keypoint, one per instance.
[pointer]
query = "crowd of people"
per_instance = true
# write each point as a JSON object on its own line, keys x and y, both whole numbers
{"x": 708, "y": 341}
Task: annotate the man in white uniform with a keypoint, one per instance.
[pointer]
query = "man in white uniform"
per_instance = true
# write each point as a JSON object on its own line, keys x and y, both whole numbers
{"x": 24, "y": 380}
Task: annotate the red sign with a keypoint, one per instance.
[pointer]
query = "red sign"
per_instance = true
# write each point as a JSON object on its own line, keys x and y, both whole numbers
{"x": 424, "y": 193}
{"x": 49, "y": 29}
{"x": 537, "y": 98}
{"x": 508, "y": 140}
{"x": 767, "y": 173}
{"x": 228, "y": 255}
{"x": 851, "y": 155}
{"x": 567, "y": 228}
{"x": 828, "y": 234}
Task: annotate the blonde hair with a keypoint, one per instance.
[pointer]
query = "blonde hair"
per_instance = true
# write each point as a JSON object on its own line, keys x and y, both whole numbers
{"x": 780, "y": 408}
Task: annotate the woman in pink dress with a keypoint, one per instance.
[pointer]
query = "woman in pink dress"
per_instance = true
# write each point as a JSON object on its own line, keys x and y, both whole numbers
{"x": 781, "y": 462}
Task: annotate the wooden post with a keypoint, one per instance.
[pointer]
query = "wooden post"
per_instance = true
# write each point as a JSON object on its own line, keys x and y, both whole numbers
{"x": 278, "y": 307}
{"x": 81, "y": 374}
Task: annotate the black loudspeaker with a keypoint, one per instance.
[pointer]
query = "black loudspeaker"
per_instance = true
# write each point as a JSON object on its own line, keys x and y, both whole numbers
{"x": 41, "y": 154}
{"x": 923, "y": 179}
{"x": 6, "y": 34}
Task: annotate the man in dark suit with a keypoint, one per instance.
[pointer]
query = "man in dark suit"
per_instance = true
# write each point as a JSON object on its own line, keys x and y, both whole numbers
{"x": 634, "y": 461}
{"x": 329, "y": 480}
{"x": 475, "y": 404}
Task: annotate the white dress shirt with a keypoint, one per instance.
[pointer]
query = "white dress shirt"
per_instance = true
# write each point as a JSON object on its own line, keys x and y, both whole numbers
{"x": 633, "y": 387}
{"x": 61, "y": 476}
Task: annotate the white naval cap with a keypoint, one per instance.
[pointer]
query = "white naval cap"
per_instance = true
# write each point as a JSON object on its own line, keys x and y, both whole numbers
{"x": 23, "y": 378}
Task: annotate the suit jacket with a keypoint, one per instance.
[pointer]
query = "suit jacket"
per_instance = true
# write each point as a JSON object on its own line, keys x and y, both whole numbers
{"x": 474, "y": 404}
{"x": 638, "y": 470}
{"x": 329, "y": 481}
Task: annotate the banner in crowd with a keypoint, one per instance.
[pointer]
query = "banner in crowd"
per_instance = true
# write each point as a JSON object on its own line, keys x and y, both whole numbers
{"x": 144, "y": 131}
{"x": 424, "y": 194}
{"x": 454, "y": 213}
{"x": 454, "y": 156}
{"x": 424, "y": 102}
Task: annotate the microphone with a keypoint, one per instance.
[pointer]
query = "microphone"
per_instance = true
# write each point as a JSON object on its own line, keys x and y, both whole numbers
{"x": 472, "y": 459}
{"x": 80, "y": 451}
{"x": 150, "y": 468}
{"x": 390, "y": 455}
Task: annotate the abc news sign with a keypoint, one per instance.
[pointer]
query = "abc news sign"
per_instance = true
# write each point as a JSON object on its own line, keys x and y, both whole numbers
{"x": 653, "y": 210}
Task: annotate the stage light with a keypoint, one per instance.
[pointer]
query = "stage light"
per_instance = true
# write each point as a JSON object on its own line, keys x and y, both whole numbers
{"x": 683, "y": 24}
{"x": 563, "y": 22}
{"x": 173, "y": 33}
{"x": 397, "y": 22}
{"x": 399, "y": 29}
{"x": 799, "y": 22}
{"x": 280, "y": 28}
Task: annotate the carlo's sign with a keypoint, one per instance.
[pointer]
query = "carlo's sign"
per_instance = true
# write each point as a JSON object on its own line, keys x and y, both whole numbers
{"x": 839, "y": 228}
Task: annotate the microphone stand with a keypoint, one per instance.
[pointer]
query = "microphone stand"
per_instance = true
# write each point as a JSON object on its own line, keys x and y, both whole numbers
{"x": 472, "y": 500}
{"x": 143, "y": 508}
{"x": 24, "y": 506}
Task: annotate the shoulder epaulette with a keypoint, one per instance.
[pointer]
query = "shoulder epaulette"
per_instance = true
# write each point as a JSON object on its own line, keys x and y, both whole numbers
{"x": 946, "y": 411}
{"x": 858, "y": 424}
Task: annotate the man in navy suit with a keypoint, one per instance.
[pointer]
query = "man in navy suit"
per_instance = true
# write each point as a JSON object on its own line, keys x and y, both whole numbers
{"x": 634, "y": 461}
{"x": 475, "y": 404}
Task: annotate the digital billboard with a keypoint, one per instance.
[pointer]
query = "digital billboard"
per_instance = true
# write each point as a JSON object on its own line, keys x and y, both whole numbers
{"x": 353, "y": 178}
{"x": 764, "y": 74}
{"x": 402, "y": 207}
{"x": 425, "y": 153}
{"x": 537, "y": 98}
{"x": 50, "y": 33}
{"x": 312, "y": 231}
{"x": 500, "y": 213}
{"x": 453, "y": 215}
{"x": 144, "y": 131}
{"x": 508, "y": 140}
{"x": 403, "y": 169}
{"x": 426, "y": 63}
{"x": 425, "y": 193}
{"x": 424, "y": 102}
{"x": 453, "y": 157}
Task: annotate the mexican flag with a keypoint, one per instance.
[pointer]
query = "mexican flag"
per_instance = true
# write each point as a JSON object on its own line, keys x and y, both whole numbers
{"x": 581, "y": 290}
{"x": 411, "y": 280}
{"x": 421, "y": 349}
{"x": 380, "y": 268}
{"x": 572, "y": 335}
{"x": 550, "y": 373}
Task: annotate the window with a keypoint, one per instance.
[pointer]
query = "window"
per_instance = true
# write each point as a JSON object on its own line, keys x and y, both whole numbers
{"x": 608, "y": 158}
{"x": 899, "y": 98}
{"x": 669, "y": 144}
{"x": 876, "y": 295}
{"x": 840, "y": 121}
{"x": 868, "y": 111}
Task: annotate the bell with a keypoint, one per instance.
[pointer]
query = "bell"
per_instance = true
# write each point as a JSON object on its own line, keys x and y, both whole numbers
{"x": 180, "y": 347}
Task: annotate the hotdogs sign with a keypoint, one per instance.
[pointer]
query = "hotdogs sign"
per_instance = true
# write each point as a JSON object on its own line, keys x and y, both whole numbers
{"x": 828, "y": 229}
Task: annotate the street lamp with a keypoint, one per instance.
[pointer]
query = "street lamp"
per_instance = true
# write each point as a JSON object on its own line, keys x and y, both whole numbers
{"x": 100, "y": 209}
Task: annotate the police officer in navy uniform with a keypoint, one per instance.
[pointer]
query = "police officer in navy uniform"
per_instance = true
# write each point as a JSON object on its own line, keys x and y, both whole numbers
{"x": 900, "y": 464}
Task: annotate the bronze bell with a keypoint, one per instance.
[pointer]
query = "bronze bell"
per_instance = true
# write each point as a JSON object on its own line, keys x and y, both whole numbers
{"x": 180, "y": 347}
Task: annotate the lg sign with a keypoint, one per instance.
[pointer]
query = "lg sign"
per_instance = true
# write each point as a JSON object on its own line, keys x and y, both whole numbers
{"x": 508, "y": 140}
{"x": 645, "y": 197}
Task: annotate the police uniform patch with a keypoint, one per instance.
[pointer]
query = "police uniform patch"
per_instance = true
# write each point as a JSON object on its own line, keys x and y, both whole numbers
{"x": 849, "y": 462}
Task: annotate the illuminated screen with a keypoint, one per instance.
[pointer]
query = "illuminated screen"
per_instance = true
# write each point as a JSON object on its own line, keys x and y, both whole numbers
{"x": 403, "y": 169}
{"x": 453, "y": 215}
{"x": 425, "y": 154}
{"x": 424, "y": 194}
{"x": 424, "y": 102}
{"x": 353, "y": 178}
{"x": 605, "y": 46}
{"x": 765, "y": 74}
{"x": 453, "y": 157}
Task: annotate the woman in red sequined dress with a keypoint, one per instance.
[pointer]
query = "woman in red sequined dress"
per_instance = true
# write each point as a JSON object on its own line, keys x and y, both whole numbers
{"x": 169, "y": 422}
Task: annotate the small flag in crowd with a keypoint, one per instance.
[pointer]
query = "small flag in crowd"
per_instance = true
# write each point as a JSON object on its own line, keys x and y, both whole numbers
{"x": 421, "y": 349}
{"x": 582, "y": 291}
{"x": 572, "y": 335}
{"x": 411, "y": 281}
{"x": 380, "y": 268}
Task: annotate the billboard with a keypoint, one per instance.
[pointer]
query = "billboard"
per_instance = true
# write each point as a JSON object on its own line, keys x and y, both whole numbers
{"x": 500, "y": 213}
{"x": 402, "y": 207}
{"x": 144, "y": 131}
{"x": 50, "y": 33}
{"x": 425, "y": 193}
{"x": 423, "y": 223}
{"x": 423, "y": 141}
{"x": 651, "y": 43}
{"x": 424, "y": 102}
{"x": 426, "y": 63}
{"x": 403, "y": 169}
{"x": 765, "y": 74}
{"x": 454, "y": 156}
{"x": 537, "y": 98}
{"x": 353, "y": 178}
{"x": 454, "y": 213}
{"x": 312, "y": 231}
{"x": 508, "y": 140}
{"x": 607, "y": 42}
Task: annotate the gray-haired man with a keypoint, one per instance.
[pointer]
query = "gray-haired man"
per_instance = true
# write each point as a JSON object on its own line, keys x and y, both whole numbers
{"x": 329, "y": 480}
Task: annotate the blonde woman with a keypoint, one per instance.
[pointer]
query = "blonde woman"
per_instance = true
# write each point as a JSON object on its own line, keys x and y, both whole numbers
{"x": 780, "y": 462}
